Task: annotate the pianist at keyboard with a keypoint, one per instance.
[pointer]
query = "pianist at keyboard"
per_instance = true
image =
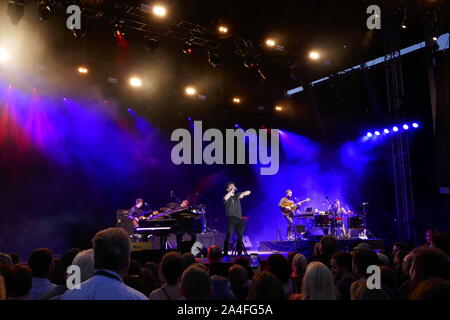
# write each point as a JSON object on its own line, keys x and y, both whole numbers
{"x": 139, "y": 210}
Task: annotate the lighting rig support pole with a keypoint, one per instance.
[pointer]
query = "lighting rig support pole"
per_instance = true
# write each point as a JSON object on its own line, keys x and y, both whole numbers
{"x": 406, "y": 220}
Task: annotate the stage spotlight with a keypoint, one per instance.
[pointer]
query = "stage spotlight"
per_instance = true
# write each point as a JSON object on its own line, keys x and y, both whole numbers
{"x": 395, "y": 128}
{"x": 434, "y": 38}
{"x": 279, "y": 108}
{"x": 4, "y": 55}
{"x": 190, "y": 91}
{"x": 213, "y": 59}
{"x": 187, "y": 48}
{"x": 45, "y": 9}
{"x": 386, "y": 131}
{"x": 151, "y": 44}
{"x": 250, "y": 61}
{"x": 377, "y": 133}
{"x": 415, "y": 125}
{"x": 369, "y": 134}
{"x": 405, "y": 126}
{"x": 236, "y": 100}
{"x": 236, "y": 125}
{"x": 118, "y": 26}
{"x": 159, "y": 11}
{"x": 222, "y": 29}
{"x": 314, "y": 55}
{"x": 82, "y": 70}
{"x": 270, "y": 43}
{"x": 135, "y": 82}
{"x": 15, "y": 11}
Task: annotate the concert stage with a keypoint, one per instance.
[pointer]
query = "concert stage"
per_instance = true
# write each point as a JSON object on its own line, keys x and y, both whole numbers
{"x": 306, "y": 247}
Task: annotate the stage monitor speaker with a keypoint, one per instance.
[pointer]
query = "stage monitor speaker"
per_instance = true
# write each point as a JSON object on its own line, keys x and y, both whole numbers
{"x": 211, "y": 239}
{"x": 123, "y": 221}
{"x": 198, "y": 249}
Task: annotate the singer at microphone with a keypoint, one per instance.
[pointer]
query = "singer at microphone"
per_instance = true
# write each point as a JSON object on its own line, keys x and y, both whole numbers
{"x": 232, "y": 201}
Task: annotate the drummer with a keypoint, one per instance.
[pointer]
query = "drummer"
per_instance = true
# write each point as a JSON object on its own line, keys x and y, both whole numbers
{"x": 341, "y": 214}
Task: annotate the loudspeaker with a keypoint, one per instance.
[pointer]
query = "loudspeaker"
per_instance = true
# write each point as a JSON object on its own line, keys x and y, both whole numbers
{"x": 211, "y": 239}
{"x": 123, "y": 221}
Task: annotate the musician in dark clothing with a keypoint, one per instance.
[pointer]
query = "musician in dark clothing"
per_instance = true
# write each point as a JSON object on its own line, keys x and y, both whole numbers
{"x": 139, "y": 210}
{"x": 232, "y": 201}
{"x": 286, "y": 209}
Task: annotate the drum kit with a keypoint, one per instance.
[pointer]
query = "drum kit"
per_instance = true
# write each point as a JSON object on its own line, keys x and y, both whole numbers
{"x": 329, "y": 222}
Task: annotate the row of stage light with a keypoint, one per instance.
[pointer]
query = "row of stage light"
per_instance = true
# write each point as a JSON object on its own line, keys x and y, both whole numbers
{"x": 395, "y": 129}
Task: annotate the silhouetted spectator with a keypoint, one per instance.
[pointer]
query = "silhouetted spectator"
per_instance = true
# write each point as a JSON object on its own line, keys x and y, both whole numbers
{"x": 220, "y": 289}
{"x": 399, "y": 246}
{"x": 188, "y": 259}
{"x": 326, "y": 249}
{"x": 135, "y": 268}
{"x": 112, "y": 251}
{"x": 196, "y": 282}
{"x": 239, "y": 282}
{"x": 291, "y": 256}
{"x": 428, "y": 236}
{"x": 15, "y": 258}
{"x": 153, "y": 267}
{"x": 299, "y": 263}
{"x": 441, "y": 240}
{"x": 318, "y": 283}
{"x": 341, "y": 268}
{"x": 245, "y": 262}
{"x": 172, "y": 268}
{"x": 23, "y": 285}
{"x": 280, "y": 268}
{"x": 136, "y": 282}
{"x": 85, "y": 261}
{"x": 265, "y": 286}
{"x": 389, "y": 278}
{"x": 41, "y": 264}
{"x": 429, "y": 263}
{"x": 65, "y": 262}
{"x": 5, "y": 259}
{"x": 398, "y": 266}
{"x": 432, "y": 289}
{"x": 216, "y": 266}
{"x": 10, "y": 279}
{"x": 2, "y": 288}
{"x": 149, "y": 279}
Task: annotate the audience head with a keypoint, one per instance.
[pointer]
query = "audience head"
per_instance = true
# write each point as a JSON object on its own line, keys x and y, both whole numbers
{"x": 383, "y": 259}
{"x": 327, "y": 245}
{"x": 188, "y": 259}
{"x": 23, "y": 285}
{"x": 316, "y": 249}
{"x": 58, "y": 275}
{"x": 134, "y": 268}
{"x": 389, "y": 278}
{"x": 5, "y": 259}
{"x": 196, "y": 282}
{"x": 220, "y": 289}
{"x": 172, "y": 267}
{"x": 399, "y": 246}
{"x": 299, "y": 263}
{"x": 237, "y": 275}
{"x": 41, "y": 262}
{"x": 214, "y": 254}
{"x": 279, "y": 267}
{"x": 291, "y": 256}
{"x": 441, "y": 240}
{"x": 136, "y": 282}
{"x": 431, "y": 289}
{"x": 361, "y": 259}
{"x": 112, "y": 250}
{"x": 265, "y": 286}
{"x": 341, "y": 263}
{"x": 407, "y": 263}
{"x": 2, "y": 288}
{"x": 9, "y": 275}
{"x": 428, "y": 236}
{"x": 318, "y": 283}
{"x": 85, "y": 261}
{"x": 429, "y": 263}
{"x": 399, "y": 256}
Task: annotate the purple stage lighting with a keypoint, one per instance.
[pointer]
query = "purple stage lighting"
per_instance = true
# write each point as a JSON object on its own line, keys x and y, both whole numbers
{"x": 395, "y": 128}
{"x": 405, "y": 126}
{"x": 236, "y": 125}
{"x": 415, "y": 125}
{"x": 190, "y": 119}
{"x": 377, "y": 133}
{"x": 130, "y": 110}
{"x": 369, "y": 134}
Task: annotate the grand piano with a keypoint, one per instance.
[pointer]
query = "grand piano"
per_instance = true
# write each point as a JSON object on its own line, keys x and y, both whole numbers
{"x": 177, "y": 221}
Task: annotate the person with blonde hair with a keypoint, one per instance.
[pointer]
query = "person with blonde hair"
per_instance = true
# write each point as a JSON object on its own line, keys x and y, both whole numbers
{"x": 318, "y": 283}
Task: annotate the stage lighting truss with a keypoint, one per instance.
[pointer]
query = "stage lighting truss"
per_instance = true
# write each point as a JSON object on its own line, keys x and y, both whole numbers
{"x": 194, "y": 34}
{"x": 394, "y": 129}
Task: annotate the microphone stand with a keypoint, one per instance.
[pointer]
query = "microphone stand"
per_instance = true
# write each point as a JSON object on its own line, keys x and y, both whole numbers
{"x": 333, "y": 223}
{"x": 207, "y": 229}
{"x": 174, "y": 196}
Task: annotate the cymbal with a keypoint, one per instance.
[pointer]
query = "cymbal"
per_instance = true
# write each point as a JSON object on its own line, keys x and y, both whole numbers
{"x": 172, "y": 205}
{"x": 164, "y": 209}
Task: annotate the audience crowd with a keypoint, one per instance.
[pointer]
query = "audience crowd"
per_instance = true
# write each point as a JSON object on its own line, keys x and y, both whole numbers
{"x": 107, "y": 272}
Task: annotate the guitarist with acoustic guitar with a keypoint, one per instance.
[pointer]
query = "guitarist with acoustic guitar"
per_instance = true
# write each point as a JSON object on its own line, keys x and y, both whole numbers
{"x": 288, "y": 207}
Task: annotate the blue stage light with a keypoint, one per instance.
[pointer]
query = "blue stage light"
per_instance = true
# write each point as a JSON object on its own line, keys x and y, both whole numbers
{"x": 377, "y": 133}
{"x": 369, "y": 134}
{"x": 236, "y": 125}
{"x": 405, "y": 126}
{"x": 386, "y": 131}
{"x": 415, "y": 125}
{"x": 395, "y": 128}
